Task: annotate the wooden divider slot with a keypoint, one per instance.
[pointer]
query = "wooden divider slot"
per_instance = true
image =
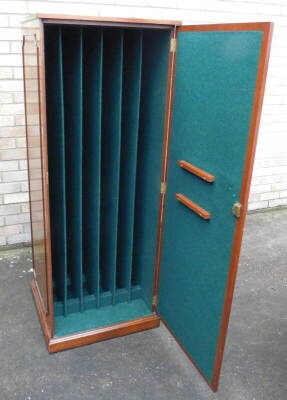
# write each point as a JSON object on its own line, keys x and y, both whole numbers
{"x": 196, "y": 171}
{"x": 193, "y": 206}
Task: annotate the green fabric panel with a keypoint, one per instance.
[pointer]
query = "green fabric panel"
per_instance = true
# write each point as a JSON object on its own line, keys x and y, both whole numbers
{"x": 214, "y": 89}
{"x": 56, "y": 152}
{"x": 122, "y": 296}
{"x": 92, "y": 87}
{"x": 152, "y": 112}
{"x": 73, "y": 100}
{"x": 96, "y": 318}
{"x": 111, "y": 150}
{"x": 132, "y": 66}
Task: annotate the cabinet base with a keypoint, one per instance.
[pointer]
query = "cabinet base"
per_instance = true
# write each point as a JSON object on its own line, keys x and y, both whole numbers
{"x": 61, "y": 343}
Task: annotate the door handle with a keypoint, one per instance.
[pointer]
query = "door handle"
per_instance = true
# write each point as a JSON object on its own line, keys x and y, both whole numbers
{"x": 193, "y": 206}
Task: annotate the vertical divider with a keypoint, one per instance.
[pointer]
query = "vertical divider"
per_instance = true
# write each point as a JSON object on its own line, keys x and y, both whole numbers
{"x": 56, "y": 151}
{"x": 132, "y": 70}
{"x": 92, "y": 89}
{"x": 111, "y": 152}
{"x": 62, "y": 160}
{"x": 72, "y": 62}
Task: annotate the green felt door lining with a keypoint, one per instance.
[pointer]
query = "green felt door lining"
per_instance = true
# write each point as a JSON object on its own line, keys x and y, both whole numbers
{"x": 214, "y": 90}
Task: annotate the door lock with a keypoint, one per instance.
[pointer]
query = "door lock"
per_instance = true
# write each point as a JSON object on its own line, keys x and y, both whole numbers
{"x": 236, "y": 209}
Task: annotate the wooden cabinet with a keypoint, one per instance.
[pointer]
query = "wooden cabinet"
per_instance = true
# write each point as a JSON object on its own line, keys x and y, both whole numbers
{"x": 141, "y": 138}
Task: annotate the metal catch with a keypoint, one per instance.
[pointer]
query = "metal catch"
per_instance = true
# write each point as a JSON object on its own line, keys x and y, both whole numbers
{"x": 236, "y": 209}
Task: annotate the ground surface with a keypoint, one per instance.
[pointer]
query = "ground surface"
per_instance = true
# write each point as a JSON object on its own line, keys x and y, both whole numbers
{"x": 149, "y": 365}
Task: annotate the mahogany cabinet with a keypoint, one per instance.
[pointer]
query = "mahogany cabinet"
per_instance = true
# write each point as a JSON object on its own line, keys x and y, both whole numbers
{"x": 140, "y": 139}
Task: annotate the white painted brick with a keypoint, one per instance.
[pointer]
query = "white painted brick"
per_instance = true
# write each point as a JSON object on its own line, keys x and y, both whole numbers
{"x": 84, "y": 9}
{"x": 269, "y": 196}
{"x": 25, "y": 208}
{"x": 11, "y": 85}
{"x": 283, "y": 194}
{"x": 10, "y": 6}
{"x": 23, "y": 164}
{"x": 8, "y": 109}
{"x": 11, "y": 229}
{"x": 133, "y": 3}
{"x": 7, "y": 120}
{"x": 15, "y": 20}
{"x": 11, "y": 131}
{"x": 9, "y": 187}
{"x": 16, "y": 198}
{"x": 10, "y": 60}
{"x": 8, "y": 165}
{"x": 4, "y": 20}
{"x": 18, "y": 73}
{"x": 19, "y": 238}
{"x": 191, "y": 4}
{"x": 21, "y": 142}
{"x": 12, "y": 154}
{"x": 10, "y": 209}
{"x": 27, "y": 228}
{"x": 6, "y": 98}
{"x": 2, "y": 220}
{"x": 253, "y": 197}
{"x": 11, "y": 33}
{"x": 6, "y": 73}
{"x": 14, "y": 176}
{"x": 7, "y": 143}
{"x": 279, "y": 186}
{"x": 277, "y": 202}
{"x": 47, "y": 7}
{"x": 4, "y": 47}
{"x": 257, "y": 205}
{"x": 17, "y": 219}
{"x": 20, "y": 120}
{"x": 24, "y": 187}
{"x": 19, "y": 98}
{"x": 260, "y": 188}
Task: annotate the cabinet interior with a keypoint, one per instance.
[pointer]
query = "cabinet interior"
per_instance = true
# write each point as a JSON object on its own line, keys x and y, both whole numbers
{"x": 105, "y": 97}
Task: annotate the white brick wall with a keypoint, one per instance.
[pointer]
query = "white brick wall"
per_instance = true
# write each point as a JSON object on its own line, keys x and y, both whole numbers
{"x": 269, "y": 184}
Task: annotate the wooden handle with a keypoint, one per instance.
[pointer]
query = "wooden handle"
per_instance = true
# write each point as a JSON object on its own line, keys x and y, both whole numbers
{"x": 193, "y": 206}
{"x": 196, "y": 171}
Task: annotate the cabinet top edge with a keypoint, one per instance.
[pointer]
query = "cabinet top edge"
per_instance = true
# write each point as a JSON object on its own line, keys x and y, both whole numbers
{"x": 58, "y": 18}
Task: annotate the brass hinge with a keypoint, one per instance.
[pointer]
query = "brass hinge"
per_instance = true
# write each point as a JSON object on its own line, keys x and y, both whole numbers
{"x": 154, "y": 301}
{"x": 236, "y": 209}
{"x": 163, "y": 187}
{"x": 173, "y": 45}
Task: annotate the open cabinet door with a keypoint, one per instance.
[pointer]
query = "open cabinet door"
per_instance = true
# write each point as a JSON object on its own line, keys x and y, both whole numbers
{"x": 220, "y": 74}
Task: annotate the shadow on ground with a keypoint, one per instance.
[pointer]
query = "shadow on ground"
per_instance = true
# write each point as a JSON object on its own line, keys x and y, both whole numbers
{"x": 149, "y": 365}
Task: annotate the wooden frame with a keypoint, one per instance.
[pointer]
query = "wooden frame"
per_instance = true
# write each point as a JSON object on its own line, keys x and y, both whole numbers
{"x": 106, "y": 332}
{"x": 46, "y": 318}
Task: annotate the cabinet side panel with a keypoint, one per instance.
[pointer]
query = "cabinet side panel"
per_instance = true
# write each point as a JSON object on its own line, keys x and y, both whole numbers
{"x": 37, "y": 163}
